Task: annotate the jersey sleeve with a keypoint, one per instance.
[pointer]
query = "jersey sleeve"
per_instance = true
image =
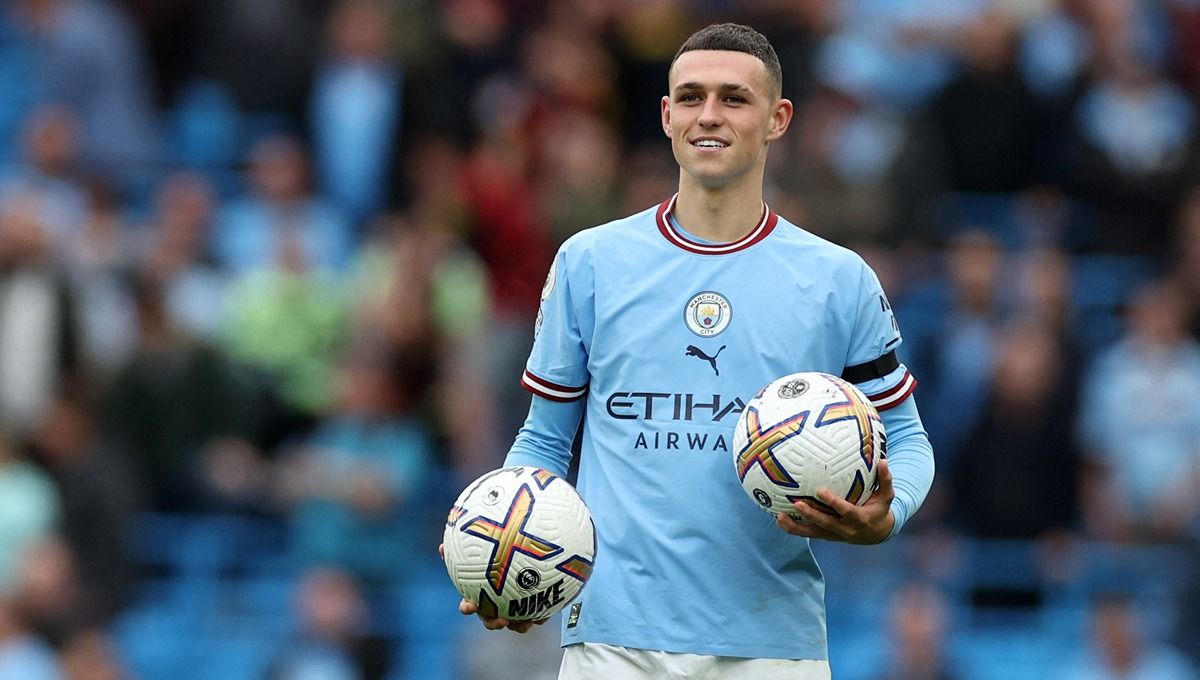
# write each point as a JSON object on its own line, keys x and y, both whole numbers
{"x": 557, "y": 366}
{"x": 910, "y": 460}
{"x": 545, "y": 439}
{"x": 871, "y": 361}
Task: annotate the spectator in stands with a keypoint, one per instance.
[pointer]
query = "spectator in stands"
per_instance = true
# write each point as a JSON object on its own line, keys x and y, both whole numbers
{"x": 1054, "y": 51}
{"x": 510, "y": 233}
{"x": 178, "y": 254}
{"x": 49, "y": 178}
{"x": 840, "y": 171}
{"x": 305, "y": 307}
{"x": 49, "y": 595}
{"x": 1042, "y": 292}
{"x": 334, "y": 641}
{"x": 91, "y": 655}
{"x": 281, "y": 35}
{"x": 579, "y": 178}
{"x": 416, "y": 285}
{"x": 281, "y": 212}
{"x": 1140, "y": 425}
{"x": 99, "y": 496}
{"x": 1123, "y": 649}
{"x": 984, "y": 120}
{"x": 353, "y": 486}
{"x": 355, "y": 111}
{"x": 39, "y": 346}
{"x": 91, "y": 58}
{"x": 171, "y": 402}
{"x": 83, "y": 224}
{"x": 1135, "y": 131}
{"x": 472, "y": 39}
{"x": 99, "y": 261}
{"x": 1017, "y": 473}
{"x": 23, "y": 656}
{"x": 29, "y": 509}
{"x": 960, "y": 353}
{"x": 918, "y": 621}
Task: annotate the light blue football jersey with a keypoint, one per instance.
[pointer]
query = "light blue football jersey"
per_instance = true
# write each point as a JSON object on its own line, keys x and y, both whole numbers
{"x": 665, "y": 339}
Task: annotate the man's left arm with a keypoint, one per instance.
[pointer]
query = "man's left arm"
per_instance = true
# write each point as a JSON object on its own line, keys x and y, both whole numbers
{"x": 904, "y": 478}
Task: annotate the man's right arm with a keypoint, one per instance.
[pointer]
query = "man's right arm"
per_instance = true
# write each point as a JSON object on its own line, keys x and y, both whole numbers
{"x": 545, "y": 442}
{"x": 545, "y": 439}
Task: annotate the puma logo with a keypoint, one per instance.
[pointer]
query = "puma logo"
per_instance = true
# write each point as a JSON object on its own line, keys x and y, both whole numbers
{"x": 694, "y": 351}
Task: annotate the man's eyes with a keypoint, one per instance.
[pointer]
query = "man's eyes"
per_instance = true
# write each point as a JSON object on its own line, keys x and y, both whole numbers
{"x": 728, "y": 99}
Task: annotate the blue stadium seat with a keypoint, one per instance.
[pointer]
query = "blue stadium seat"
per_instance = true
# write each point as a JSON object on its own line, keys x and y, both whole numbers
{"x": 1105, "y": 281}
{"x": 198, "y": 544}
{"x": 1009, "y": 218}
{"x": 1015, "y": 653}
{"x": 204, "y": 129}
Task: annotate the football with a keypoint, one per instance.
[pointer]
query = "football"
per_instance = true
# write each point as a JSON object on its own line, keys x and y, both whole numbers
{"x": 520, "y": 543}
{"x": 804, "y": 432}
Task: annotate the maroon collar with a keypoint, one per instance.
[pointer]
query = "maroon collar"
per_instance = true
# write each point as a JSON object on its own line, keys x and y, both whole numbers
{"x": 766, "y": 224}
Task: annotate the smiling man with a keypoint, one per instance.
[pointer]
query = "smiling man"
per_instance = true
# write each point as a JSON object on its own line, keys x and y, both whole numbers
{"x": 691, "y": 579}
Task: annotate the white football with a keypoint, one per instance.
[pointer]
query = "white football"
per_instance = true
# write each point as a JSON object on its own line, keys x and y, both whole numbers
{"x": 804, "y": 432}
{"x": 520, "y": 543}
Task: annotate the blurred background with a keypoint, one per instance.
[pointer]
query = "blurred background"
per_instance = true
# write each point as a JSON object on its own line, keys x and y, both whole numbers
{"x": 269, "y": 269}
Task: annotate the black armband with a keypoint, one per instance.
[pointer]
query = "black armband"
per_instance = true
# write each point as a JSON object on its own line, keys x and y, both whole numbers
{"x": 871, "y": 370}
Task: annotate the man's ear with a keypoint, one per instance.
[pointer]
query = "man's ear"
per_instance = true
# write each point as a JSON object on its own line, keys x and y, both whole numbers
{"x": 781, "y": 118}
{"x": 666, "y": 115}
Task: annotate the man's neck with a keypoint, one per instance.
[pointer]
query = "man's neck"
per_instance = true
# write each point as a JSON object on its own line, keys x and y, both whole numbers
{"x": 719, "y": 215}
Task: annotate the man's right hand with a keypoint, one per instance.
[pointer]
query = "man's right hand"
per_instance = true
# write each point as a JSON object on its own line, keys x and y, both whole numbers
{"x": 467, "y": 608}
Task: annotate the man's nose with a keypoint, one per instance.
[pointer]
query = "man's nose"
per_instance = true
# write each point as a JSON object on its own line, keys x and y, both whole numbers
{"x": 710, "y": 115}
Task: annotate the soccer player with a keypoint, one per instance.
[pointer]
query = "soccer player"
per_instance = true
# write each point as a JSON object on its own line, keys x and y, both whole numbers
{"x": 659, "y": 328}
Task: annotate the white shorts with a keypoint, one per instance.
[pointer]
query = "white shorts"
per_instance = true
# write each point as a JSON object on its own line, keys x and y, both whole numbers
{"x": 588, "y": 661}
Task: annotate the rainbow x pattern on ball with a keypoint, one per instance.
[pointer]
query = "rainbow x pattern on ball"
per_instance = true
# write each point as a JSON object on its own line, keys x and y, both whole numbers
{"x": 860, "y": 411}
{"x": 759, "y": 445}
{"x": 510, "y": 537}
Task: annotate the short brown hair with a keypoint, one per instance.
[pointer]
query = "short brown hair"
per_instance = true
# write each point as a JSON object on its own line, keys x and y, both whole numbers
{"x": 736, "y": 38}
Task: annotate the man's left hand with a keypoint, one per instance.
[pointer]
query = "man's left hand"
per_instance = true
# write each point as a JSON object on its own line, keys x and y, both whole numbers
{"x": 865, "y": 524}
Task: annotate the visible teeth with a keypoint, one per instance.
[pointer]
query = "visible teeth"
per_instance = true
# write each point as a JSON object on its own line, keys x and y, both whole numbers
{"x": 710, "y": 143}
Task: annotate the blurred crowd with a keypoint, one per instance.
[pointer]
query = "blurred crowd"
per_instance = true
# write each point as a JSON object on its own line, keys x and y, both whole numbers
{"x": 279, "y": 260}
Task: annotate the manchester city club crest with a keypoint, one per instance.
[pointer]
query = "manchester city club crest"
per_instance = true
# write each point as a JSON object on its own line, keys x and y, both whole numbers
{"x": 707, "y": 314}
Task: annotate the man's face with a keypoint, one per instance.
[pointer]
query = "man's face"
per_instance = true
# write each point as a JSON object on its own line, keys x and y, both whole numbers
{"x": 720, "y": 114}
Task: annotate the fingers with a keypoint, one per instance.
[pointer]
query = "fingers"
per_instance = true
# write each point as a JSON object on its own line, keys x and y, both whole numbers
{"x": 496, "y": 624}
{"x": 802, "y": 528}
{"x": 884, "y": 478}
{"x": 523, "y": 626}
{"x": 815, "y": 519}
{"x": 836, "y": 519}
{"x": 442, "y": 550}
{"x": 840, "y": 506}
{"x": 467, "y": 608}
